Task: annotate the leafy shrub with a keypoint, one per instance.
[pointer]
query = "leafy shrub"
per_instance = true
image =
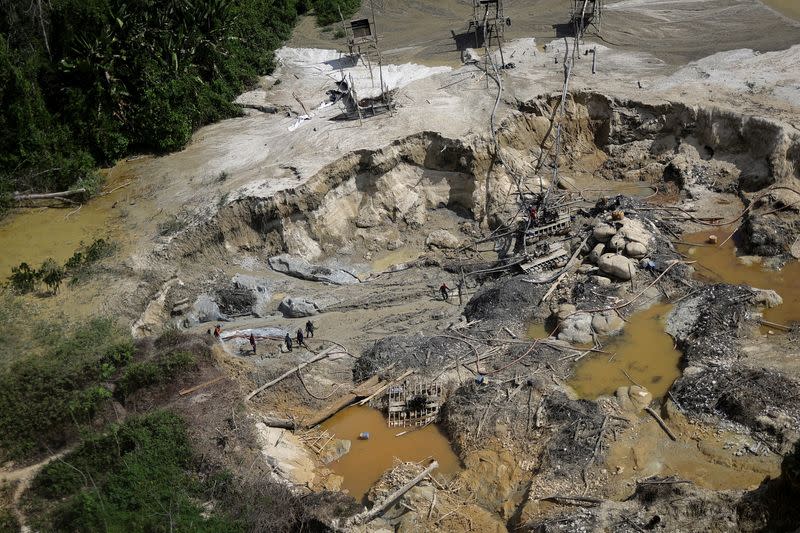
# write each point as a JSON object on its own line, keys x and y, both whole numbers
{"x": 44, "y": 397}
{"x": 23, "y": 278}
{"x": 135, "y": 477}
{"x": 52, "y": 274}
{"x": 99, "y": 249}
{"x": 159, "y": 370}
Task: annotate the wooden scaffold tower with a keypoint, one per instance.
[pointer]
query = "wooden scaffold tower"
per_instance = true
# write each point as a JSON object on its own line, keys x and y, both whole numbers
{"x": 585, "y": 14}
{"x": 488, "y": 24}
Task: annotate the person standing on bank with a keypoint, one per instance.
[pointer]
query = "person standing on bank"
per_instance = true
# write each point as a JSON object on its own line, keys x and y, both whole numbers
{"x": 445, "y": 290}
{"x": 288, "y": 341}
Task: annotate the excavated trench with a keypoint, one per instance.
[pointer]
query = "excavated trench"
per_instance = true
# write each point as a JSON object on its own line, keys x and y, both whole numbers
{"x": 519, "y": 433}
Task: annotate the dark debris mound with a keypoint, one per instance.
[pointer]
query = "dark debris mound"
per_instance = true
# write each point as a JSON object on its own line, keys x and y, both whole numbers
{"x": 473, "y": 412}
{"x": 508, "y": 301}
{"x": 769, "y": 235}
{"x": 744, "y": 395}
{"x": 429, "y": 355}
{"x": 577, "y": 424}
{"x": 235, "y": 300}
{"x": 714, "y": 318}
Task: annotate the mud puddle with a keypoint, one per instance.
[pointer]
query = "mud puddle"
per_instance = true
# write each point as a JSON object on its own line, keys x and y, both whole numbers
{"x": 395, "y": 257}
{"x": 643, "y": 350}
{"x": 709, "y": 457}
{"x": 369, "y": 459}
{"x": 722, "y": 264}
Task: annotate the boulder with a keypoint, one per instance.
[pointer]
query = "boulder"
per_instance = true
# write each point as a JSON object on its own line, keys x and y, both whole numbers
{"x": 596, "y": 252}
{"x": 636, "y": 250}
{"x": 617, "y": 243}
{"x": 298, "y": 307}
{"x": 568, "y": 184}
{"x": 767, "y": 298}
{"x": 633, "y": 230}
{"x": 633, "y": 399}
{"x": 206, "y": 309}
{"x": 607, "y": 323}
{"x": 577, "y": 329}
{"x": 564, "y": 310}
{"x": 618, "y": 266}
{"x": 442, "y": 239}
{"x": 300, "y": 268}
{"x": 260, "y": 291}
{"x": 602, "y": 232}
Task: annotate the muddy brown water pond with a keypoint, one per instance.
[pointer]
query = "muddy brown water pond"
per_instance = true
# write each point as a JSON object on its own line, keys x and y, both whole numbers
{"x": 32, "y": 235}
{"x": 722, "y": 264}
{"x": 369, "y": 459}
{"x": 643, "y": 350}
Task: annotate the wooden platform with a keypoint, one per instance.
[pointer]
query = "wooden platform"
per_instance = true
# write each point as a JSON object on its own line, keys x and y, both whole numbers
{"x": 402, "y": 399}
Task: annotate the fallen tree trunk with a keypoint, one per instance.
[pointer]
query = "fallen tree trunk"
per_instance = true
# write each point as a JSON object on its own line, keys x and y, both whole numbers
{"x": 282, "y": 423}
{"x": 48, "y": 195}
{"x": 661, "y": 423}
{"x": 363, "y": 518}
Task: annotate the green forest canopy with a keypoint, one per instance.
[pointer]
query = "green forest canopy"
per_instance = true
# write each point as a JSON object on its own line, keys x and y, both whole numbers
{"x": 85, "y": 82}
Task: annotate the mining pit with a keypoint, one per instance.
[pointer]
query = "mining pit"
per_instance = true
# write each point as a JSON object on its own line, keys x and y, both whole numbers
{"x": 619, "y": 349}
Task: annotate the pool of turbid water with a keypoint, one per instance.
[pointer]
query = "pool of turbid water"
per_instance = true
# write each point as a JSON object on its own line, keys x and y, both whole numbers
{"x": 643, "y": 350}
{"x": 722, "y": 264}
{"x": 32, "y": 235}
{"x": 369, "y": 459}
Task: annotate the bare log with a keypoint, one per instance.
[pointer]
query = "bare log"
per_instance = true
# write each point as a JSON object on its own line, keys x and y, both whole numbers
{"x": 386, "y": 386}
{"x": 48, "y": 195}
{"x": 580, "y": 499}
{"x": 282, "y": 423}
{"x": 376, "y": 511}
{"x": 661, "y": 423}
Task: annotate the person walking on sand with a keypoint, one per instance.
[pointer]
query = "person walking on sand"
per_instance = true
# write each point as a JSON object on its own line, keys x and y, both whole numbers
{"x": 309, "y": 330}
{"x": 288, "y": 341}
{"x": 445, "y": 290}
{"x": 253, "y": 342}
{"x": 300, "y": 341}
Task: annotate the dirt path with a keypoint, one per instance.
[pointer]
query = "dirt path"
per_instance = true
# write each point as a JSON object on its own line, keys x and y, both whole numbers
{"x": 23, "y": 477}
